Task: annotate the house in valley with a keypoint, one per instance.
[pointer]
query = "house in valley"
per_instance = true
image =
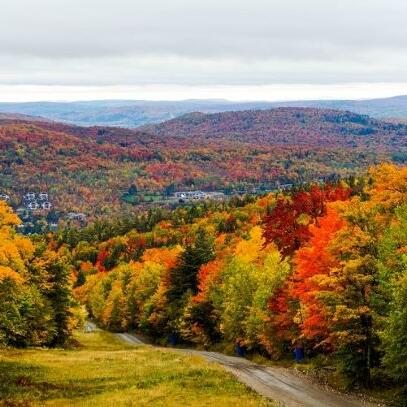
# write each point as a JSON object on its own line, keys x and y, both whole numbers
{"x": 185, "y": 196}
{"x": 29, "y": 196}
{"x": 33, "y": 205}
{"x": 81, "y": 217}
{"x": 32, "y": 201}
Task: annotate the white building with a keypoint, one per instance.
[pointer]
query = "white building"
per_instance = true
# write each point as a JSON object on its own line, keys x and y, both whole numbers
{"x": 30, "y": 196}
{"x": 76, "y": 216}
{"x": 33, "y": 206}
{"x": 191, "y": 195}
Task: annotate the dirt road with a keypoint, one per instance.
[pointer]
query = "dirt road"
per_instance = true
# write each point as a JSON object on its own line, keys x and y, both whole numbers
{"x": 272, "y": 382}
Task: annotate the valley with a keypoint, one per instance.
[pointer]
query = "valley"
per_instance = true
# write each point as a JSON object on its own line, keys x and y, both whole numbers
{"x": 203, "y": 203}
{"x": 91, "y": 170}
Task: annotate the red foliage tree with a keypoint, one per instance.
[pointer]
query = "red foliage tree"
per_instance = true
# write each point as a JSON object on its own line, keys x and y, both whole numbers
{"x": 288, "y": 223}
{"x": 312, "y": 263}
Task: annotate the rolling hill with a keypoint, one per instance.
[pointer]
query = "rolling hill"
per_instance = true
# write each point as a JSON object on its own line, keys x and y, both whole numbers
{"x": 89, "y": 168}
{"x": 122, "y": 113}
{"x": 133, "y": 113}
{"x": 384, "y": 108}
{"x": 285, "y": 126}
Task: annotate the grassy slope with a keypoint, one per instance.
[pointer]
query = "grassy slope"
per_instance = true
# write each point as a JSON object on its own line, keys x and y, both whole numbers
{"x": 106, "y": 372}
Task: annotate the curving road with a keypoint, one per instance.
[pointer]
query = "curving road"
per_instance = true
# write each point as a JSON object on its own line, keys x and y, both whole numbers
{"x": 272, "y": 382}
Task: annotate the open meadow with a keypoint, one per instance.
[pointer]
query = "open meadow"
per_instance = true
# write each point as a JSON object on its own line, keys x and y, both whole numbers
{"x": 103, "y": 371}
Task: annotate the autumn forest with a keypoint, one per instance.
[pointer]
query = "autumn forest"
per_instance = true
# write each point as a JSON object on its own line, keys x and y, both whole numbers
{"x": 89, "y": 169}
{"x": 318, "y": 267}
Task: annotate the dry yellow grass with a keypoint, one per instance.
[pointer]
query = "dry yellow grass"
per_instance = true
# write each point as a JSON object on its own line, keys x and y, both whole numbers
{"x": 107, "y": 372}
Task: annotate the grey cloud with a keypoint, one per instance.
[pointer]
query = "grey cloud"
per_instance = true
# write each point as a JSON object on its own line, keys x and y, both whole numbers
{"x": 61, "y": 28}
{"x": 187, "y": 41}
{"x": 177, "y": 70}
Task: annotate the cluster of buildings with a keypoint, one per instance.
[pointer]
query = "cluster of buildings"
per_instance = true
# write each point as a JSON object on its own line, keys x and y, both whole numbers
{"x": 189, "y": 196}
{"x": 34, "y": 210}
{"x": 33, "y": 201}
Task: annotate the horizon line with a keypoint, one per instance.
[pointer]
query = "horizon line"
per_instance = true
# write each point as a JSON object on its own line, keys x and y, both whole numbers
{"x": 269, "y": 93}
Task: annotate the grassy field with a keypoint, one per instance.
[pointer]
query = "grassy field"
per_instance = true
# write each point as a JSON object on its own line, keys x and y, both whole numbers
{"x": 103, "y": 371}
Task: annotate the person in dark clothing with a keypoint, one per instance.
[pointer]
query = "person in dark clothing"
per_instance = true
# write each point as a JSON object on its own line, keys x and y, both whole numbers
{"x": 239, "y": 347}
{"x": 299, "y": 352}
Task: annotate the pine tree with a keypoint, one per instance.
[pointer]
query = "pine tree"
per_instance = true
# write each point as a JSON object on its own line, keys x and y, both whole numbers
{"x": 395, "y": 336}
{"x": 183, "y": 277}
{"x": 59, "y": 296}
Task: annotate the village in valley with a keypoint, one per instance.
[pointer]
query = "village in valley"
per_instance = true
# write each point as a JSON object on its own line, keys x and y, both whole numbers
{"x": 170, "y": 196}
{"x": 37, "y": 213}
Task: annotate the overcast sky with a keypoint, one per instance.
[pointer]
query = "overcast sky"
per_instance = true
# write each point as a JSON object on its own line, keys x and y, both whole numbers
{"x": 173, "y": 49}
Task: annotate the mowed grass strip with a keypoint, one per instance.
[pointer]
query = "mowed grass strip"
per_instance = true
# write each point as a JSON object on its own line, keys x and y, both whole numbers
{"x": 106, "y": 372}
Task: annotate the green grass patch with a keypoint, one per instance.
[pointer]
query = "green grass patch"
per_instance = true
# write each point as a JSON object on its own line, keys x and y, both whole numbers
{"x": 131, "y": 199}
{"x": 103, "y": 371}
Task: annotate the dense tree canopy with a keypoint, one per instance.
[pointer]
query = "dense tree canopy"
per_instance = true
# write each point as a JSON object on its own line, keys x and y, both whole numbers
{"x": 35, "y": 290}
{"x": 322, "y": 268}
{"x": 91, "y": 169}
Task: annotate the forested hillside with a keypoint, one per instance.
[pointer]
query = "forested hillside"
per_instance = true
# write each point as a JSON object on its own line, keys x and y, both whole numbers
{"x": 89, "y": 169}
{"x": 285, "y": 126}
{"x": 36, "y": 304}
{"x": 69, "y": 163}
{"x": 320, "y": 269}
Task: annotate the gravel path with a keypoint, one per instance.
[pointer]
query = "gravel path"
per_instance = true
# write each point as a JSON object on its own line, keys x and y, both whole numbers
{"x": 272, "y": 382}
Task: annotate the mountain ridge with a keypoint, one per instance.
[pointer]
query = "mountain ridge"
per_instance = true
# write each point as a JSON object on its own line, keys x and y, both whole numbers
{"x": 311, "y": 127}
{"x": 88, "y": 169}
{"x": 134, "y": 113}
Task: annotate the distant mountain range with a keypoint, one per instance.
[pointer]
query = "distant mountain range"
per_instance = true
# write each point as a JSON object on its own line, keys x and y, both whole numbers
{"x": 394, "y": 107}
{"x": 134, "y": 113}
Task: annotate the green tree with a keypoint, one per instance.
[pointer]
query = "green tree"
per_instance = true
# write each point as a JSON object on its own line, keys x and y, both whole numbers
{"x": 58, "y": 290}
{"x": 183, "y": 277}
{"x": 395, "y": 334}
{"x": 393, "y": 274}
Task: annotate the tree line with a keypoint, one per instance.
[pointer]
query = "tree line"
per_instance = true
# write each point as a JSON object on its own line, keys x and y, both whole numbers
{"x": 321, "y": 268}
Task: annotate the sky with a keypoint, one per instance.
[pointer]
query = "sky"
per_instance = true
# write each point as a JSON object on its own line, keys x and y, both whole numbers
{"x": 182, "y": 49}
